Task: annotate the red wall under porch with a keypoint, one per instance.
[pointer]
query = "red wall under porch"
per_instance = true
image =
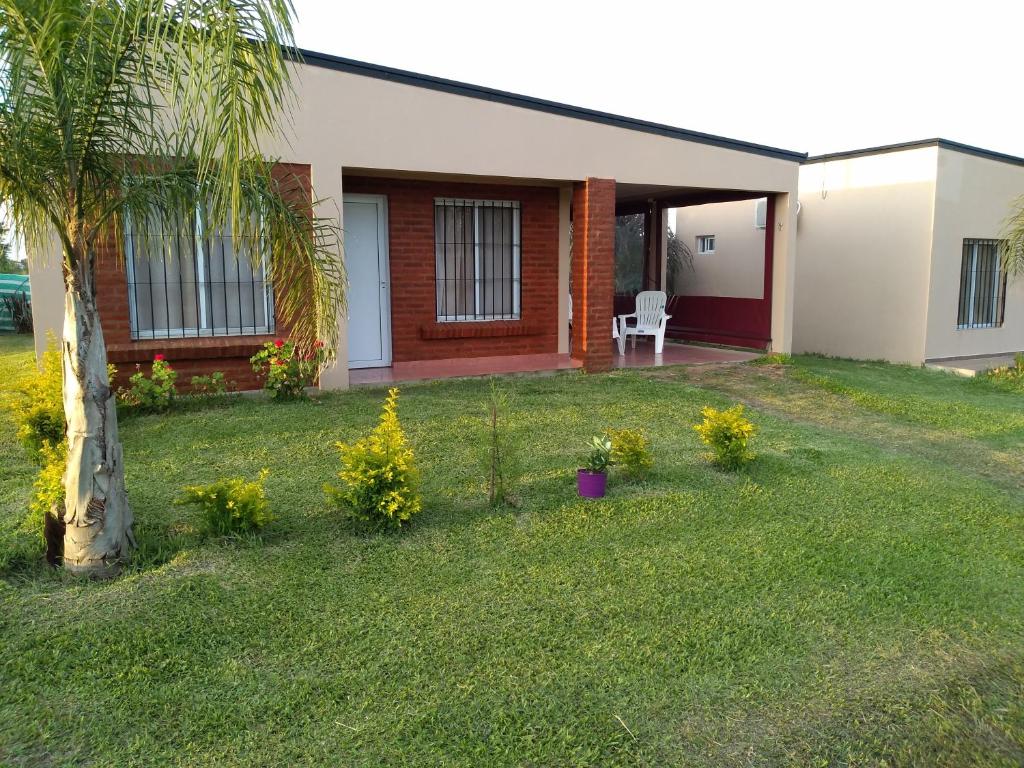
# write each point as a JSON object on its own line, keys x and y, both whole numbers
{"x": 415, "y": 332}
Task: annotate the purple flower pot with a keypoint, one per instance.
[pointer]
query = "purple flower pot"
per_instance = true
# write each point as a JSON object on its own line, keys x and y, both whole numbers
{"x": 590, "y": 484}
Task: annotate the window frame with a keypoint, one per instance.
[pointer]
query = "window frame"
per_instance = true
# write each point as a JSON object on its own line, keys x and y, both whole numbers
{"x": 478, "y": 280}
{"x": 702, "y": 242}
{"x": 968, "y": 293}
{"x": 203, "y": 311}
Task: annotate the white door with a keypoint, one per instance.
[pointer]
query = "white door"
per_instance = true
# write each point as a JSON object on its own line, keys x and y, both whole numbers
{"x": 366, "y": 259}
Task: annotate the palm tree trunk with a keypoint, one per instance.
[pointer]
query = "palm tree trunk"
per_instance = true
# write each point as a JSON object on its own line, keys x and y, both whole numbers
{"x": 98, "y": 535}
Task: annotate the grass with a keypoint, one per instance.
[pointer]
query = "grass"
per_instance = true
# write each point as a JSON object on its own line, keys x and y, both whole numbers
{"x": 854, "y": 597}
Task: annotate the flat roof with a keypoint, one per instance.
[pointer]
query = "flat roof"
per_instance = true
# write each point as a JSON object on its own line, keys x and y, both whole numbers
{"x": 340, "y": 64}
{"x": 955, "y": 146}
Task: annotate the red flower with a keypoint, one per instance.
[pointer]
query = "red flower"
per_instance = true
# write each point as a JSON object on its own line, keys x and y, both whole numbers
{"x": 318, "y": 344}
{"x": 158, "y": 358}
{"x": 278, "y": 343}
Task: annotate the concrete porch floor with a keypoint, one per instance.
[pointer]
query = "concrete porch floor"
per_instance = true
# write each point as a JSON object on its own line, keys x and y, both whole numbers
{"x": 642, "y": 357}
{"x": 677, "y": 353}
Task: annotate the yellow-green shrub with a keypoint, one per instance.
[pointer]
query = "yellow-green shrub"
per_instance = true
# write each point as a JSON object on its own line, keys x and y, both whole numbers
{"x": 728, "y": 433}
{"x": 630, "y": 451}
{"x": 232, "y": 505}
{"x": 1010, "y": 375}
{"x": 379, "y": 481}
{"x": 773, "y": 358}
{"x": 38, "y": 407}
{"x": 48, "y": 498}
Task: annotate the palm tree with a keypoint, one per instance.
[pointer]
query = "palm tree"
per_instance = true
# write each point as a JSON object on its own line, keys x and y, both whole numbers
{"x": 140, "y": 110}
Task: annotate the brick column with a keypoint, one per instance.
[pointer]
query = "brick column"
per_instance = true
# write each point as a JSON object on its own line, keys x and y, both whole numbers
{"x": 593, "y": 272}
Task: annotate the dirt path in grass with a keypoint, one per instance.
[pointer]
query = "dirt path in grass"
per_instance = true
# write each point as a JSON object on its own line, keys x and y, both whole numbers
{"x": 775, "y": 390}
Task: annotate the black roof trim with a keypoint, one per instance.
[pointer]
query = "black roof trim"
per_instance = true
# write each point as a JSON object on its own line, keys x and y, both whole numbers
{"x": 327, "y": 61}
{"x": 955, "y": 146}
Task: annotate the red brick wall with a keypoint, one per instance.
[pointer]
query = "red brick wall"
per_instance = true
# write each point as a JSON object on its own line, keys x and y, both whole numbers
{"x": 415, "y": 332}
{"x": 593, "y": 271}
{"x": 189, "y": 357}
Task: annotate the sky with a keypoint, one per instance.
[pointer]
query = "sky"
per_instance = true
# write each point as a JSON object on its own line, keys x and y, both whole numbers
{"x": 807, "y": 76}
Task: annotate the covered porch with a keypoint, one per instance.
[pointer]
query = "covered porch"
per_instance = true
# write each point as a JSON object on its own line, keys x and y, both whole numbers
{"x": 714, "y": 252}
{"x": 464, "y": 277}
{"x": 709, "y": 250}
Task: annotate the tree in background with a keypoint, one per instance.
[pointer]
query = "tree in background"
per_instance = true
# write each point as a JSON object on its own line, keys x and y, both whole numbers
{"x": 86, "y": 143}
{"x": 629, "y": 256}
{"x": 8, "y": 264}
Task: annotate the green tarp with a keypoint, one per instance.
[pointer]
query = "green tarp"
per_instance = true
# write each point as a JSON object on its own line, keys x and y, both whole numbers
{"x": 10, "y": 285}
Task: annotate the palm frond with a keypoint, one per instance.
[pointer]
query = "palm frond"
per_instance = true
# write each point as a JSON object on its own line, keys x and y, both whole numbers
{"x": 144, "y": 109}
{"x": 1013, "y": 240}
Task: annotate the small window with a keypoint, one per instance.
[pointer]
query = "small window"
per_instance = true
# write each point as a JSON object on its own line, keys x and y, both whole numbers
{"x": 705, "y": 243}
{"x": 982, "y": 285}
{"x": 476, "y": 259}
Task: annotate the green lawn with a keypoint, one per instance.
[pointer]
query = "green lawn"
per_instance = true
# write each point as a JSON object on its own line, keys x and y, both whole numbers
{"x": 854, "y": 597}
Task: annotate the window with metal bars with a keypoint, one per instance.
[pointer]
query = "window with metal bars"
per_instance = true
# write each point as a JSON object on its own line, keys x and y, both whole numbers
{"x": 186, "y": 281}
{"x": 982, "y": 285}
{"x": 477, "y": 259}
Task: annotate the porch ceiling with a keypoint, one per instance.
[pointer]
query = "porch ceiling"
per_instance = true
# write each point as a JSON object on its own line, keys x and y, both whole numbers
{"x": 677, "y": 197}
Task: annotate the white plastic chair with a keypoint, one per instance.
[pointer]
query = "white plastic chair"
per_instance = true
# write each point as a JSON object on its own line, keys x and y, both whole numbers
{"x": 651, "y": 320}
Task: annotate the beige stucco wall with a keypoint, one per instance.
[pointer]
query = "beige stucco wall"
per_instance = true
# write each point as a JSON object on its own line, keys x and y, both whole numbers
{"x": 736, "y": 268}
{"x": 973, "y": 197}
{"x": 363, "y": 122}
{"x": 865, "y": 242}
{"x": 44, "y": 269}
{"x": 343, "y": 120}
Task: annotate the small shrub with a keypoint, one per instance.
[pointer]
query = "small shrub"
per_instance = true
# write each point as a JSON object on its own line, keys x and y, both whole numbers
{"x": 379, "y": 481}
{"x": 502, "y": 462}
{"x": 728, "y": 433}
{"x": 600, "y": 456}
{"x": 214, "y": 384}
{"x": 46, "y": 507}
{"x": 773, "y": 358}
{"x": 630, "y": 451}
{"x": 154, "y": 393}
{"x": 287, "y": 371}
{"x": 230, "y": 506}
{"x": 38, "y": 407}
{"x": 1010, "y": 375}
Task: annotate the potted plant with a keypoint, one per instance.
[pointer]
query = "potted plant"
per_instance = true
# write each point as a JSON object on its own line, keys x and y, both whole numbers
{"x": 592, "y": 479}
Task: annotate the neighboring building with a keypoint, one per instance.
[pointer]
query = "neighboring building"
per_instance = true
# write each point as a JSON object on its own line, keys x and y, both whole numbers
{"x": 899, "y": 256}
{"x": 729, "y": 278}
{"x": 898, "y": 253}
{"x": 456, "y": 204}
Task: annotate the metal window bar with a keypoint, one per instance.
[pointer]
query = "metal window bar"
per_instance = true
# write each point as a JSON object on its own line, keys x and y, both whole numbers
{"x": 477, "y": 246}
{"x": 982, "y": 297}
{"x": 158, "y": 264}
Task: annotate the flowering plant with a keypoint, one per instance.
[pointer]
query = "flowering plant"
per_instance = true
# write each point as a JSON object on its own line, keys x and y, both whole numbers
{"x": 153, "y": 393}
{"x": 287, "y": 370}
